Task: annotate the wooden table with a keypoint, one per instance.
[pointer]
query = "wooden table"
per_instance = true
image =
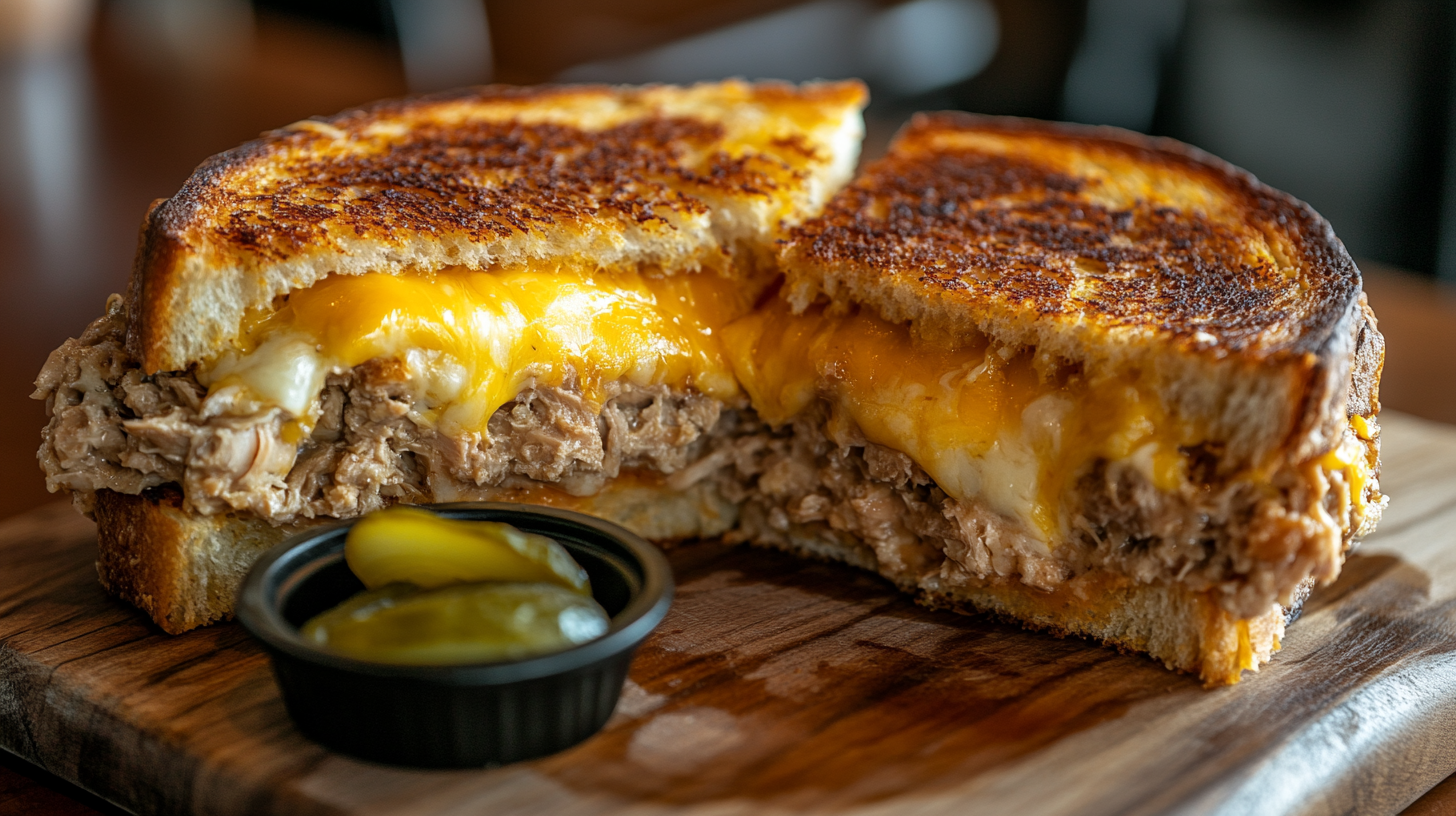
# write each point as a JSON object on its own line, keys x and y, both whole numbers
{"x": 776, "y": 685}
{"x": 73, "y": 190}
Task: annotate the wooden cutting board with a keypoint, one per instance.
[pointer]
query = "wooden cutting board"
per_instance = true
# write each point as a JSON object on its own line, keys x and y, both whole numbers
{"x": 778, "y": 686}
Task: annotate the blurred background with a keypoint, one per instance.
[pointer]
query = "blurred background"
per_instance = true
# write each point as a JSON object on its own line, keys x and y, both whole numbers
{"x": 108, "y": 104}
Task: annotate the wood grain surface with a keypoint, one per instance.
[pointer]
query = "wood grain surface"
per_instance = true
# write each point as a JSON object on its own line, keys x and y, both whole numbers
{"x": 777, "y": 685}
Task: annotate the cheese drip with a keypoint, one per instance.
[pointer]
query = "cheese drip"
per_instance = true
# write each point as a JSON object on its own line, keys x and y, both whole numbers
{"x": 982, "y": 421}
{"x": 471, "y": 340}
{"x": 1356, "y": 459}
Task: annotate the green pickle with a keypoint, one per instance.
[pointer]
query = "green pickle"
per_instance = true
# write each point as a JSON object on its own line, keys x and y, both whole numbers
{"x": 441, "y": 591}
{"x": 358, "y": 607}
{"x": 418, "y": 547}
{"x": 465, "y": 623}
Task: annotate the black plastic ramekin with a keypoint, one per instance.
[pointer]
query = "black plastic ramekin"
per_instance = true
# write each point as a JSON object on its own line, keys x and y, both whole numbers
{"x": 455, "y": 716}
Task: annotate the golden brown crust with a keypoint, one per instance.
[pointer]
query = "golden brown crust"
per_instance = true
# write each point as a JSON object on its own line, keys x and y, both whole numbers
{"x": 1369, "y": 361}
{"x": 182, "y": 569}
{"x": 1120, "y": 252}
{"x": 477, "y": 168}
{"x": 1091, "y": 224}
{"x": 1185, "y": 630}
{"x": 139, "y": 556}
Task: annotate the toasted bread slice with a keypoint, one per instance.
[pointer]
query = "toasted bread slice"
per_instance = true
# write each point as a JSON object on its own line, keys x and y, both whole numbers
{"x": 1116, "y": 251}
{"x": 1182, "y": 629}
{"x": 183, "y": 568}
{"x": 674, "y": 178}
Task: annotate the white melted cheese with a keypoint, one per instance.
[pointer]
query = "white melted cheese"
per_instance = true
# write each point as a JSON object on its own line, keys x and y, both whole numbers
{"x": 982, "y": 421}
{"x": 286, "y": 370}
{"x": 469, "y": 341}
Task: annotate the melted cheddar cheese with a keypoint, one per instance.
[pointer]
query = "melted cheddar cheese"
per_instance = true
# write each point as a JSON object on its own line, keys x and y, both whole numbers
{"x": 1355, "y": 460}
{"x": 983, "y": 422}
{"x": 470, "y": 340}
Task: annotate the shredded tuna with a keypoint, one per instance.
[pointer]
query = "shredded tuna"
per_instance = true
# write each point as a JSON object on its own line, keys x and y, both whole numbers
{"x": 113, "y": 428}
{"x": 798, "y": 483}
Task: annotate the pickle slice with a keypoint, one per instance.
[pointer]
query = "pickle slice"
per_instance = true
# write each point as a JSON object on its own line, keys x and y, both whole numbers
{"x": 463, "y": 623}
{"x": 357, "y": 607}
{"x": 418, "y": 547}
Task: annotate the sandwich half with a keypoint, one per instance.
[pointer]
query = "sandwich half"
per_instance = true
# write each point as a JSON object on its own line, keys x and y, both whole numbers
{"x": 1098, "y": 383}
{"x": 501, "y": 293}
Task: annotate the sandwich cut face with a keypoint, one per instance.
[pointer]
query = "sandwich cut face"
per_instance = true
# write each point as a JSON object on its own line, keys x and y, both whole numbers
{"x": 1113, "y": 357}
{"x": 557, "y": 248}
{"x": 584, "y": 241}
{"x": 1010, "y": 366}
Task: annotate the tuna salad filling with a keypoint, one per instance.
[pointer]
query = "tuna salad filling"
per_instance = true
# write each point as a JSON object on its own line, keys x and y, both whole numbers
{"x": 113, "y": 428}
{"x": 815, "y": 478}
{"x": 819, "y": 480}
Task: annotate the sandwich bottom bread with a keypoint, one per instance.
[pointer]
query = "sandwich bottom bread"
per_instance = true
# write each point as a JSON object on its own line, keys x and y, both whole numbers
{"x": 184, "y": 569}
{"x": 1096, "y": 383}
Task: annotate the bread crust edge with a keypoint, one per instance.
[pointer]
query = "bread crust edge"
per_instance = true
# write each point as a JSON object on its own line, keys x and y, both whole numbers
{"x": 1186, "y": 631}
{"x": 183, "y": 570}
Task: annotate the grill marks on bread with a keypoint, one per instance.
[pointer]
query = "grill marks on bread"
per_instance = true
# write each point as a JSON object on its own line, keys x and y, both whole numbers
{"x": 679, "y": 179}
{"x": 995, "y": 213}
{"x": 490, "y": 180}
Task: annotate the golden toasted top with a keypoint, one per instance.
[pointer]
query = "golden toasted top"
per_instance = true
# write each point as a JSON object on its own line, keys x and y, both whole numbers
{"x": 1008, "y": 221}
{"x": 592, "y": 176}
{"x": 492, "y": 162}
